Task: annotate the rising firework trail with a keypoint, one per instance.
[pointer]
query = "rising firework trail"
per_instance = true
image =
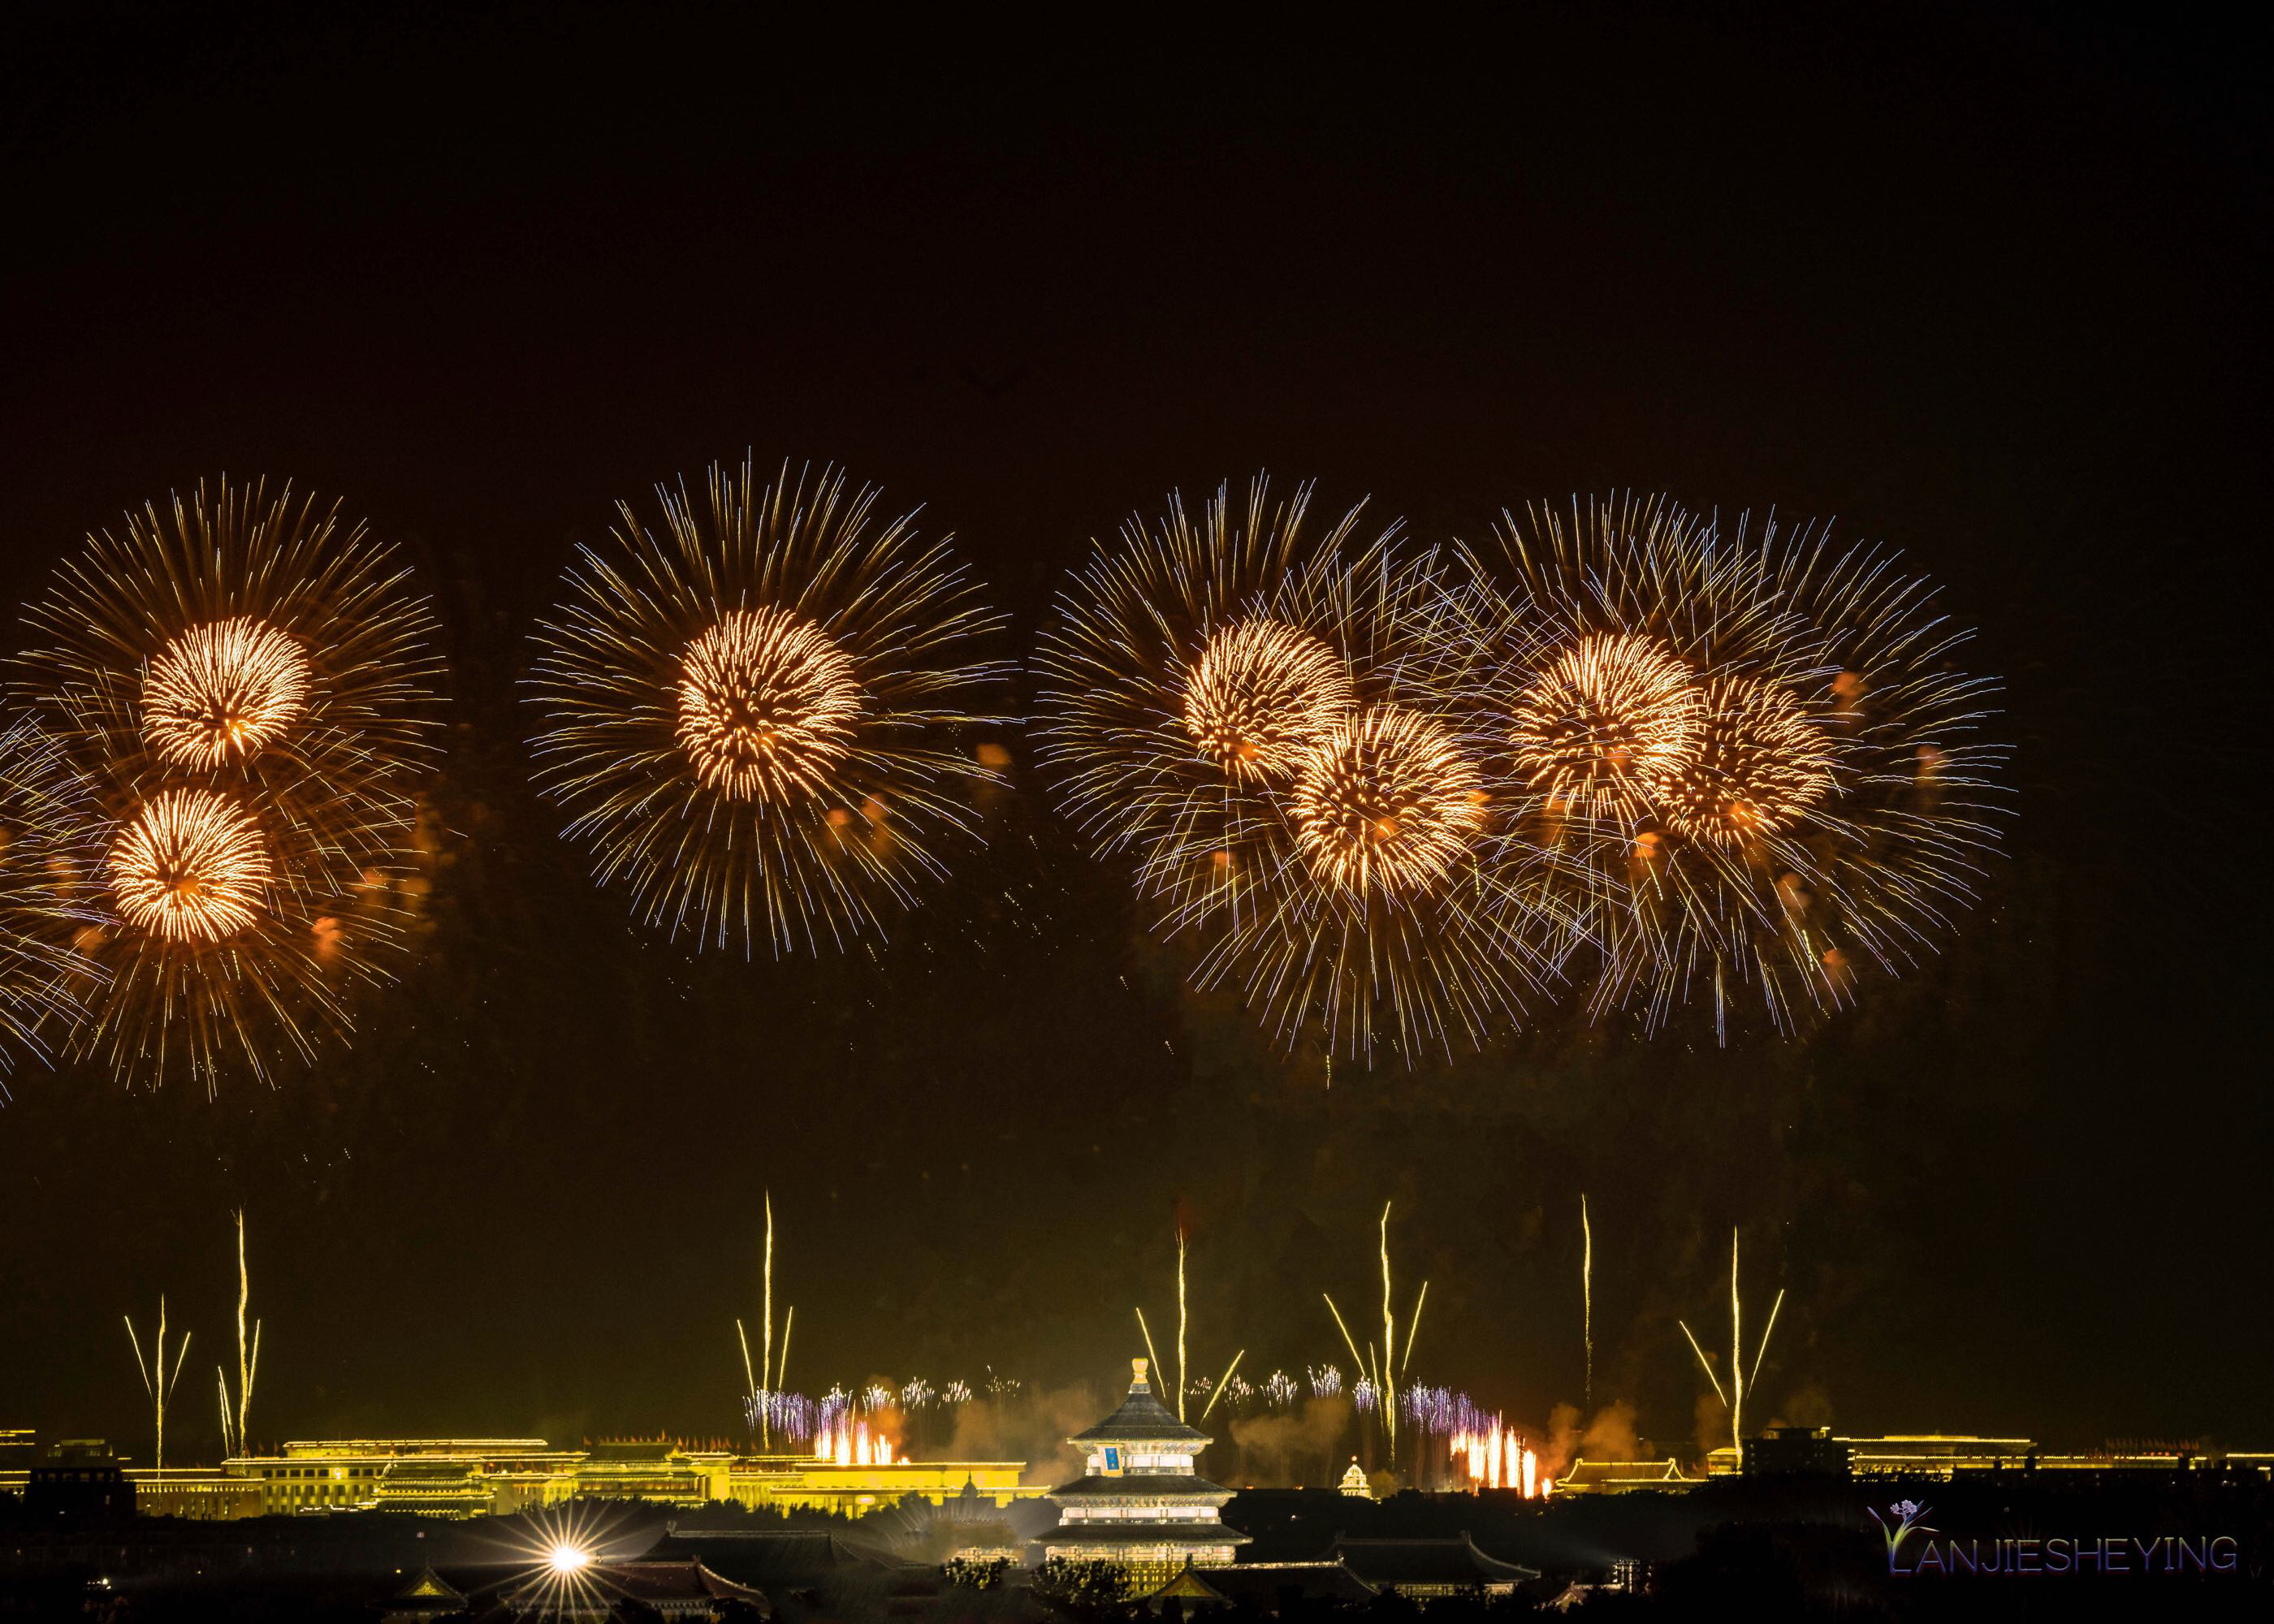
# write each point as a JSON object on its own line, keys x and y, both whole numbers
{"x": 1587, "y": 1300}
{"x": 245, "y": 687}
{"x": 1180, "y": 1322}
{"x": 1223, "y": 1384}
{"x": 155, "y": 1381}
{"x": 759, "y": 719}
{"x": 1741, "y": 1377}
{"x": 248, "y": 1350}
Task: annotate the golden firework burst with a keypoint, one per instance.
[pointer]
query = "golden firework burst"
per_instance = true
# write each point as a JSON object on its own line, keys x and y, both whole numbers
{"x": 759, "y": 719}
{"x": 222, "y": 690}
{"x": 1757, "y": 766}
{"x": 1611, "y": 715}
{"x": 768, "y": 706}
{"x": 1386, "y": 801}
{"x": 1260, "y": 695}
{"x": 246, "y": 684}
{"x": 190, "y": 866}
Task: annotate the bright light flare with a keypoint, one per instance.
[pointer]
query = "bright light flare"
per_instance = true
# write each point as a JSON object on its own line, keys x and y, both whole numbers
{"x": 567, "y": 1559}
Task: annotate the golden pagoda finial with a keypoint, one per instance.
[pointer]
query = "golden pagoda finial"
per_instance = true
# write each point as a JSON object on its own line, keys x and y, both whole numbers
{"x": 1137, "y": 1372}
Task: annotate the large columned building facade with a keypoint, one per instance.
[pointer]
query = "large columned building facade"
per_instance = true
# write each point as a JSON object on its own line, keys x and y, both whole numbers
{"x": 1138, "y": 1504}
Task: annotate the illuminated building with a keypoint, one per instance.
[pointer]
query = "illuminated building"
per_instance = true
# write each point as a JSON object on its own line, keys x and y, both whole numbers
{"x": 486, "y": 1476}
{"x": 1354, "y": 1483}
{"x": 1623, "y": 1476}
{"x": 1138, "y": 1504}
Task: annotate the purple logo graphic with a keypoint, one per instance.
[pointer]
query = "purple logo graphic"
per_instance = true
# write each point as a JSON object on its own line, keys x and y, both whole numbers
{"x": 1907, "y": 1514}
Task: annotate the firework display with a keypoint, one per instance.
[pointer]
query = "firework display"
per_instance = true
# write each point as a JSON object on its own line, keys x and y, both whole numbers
{"x": 1395, "y": 798}
{"x": 244, "y": 686}
{"x": 1251, "y": 719}
{"x": 47, "y": 890}
{"x": 1623, "y": 751}
{"x": 759, "y": 720}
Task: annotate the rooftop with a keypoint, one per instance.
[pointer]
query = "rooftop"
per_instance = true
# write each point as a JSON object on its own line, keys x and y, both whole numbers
{"x": 1141, "y": 1418}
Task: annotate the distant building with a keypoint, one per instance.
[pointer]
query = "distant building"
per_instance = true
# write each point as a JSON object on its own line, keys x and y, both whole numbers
{"x": 79, "y": 1477}
{"x": 1138, "y": 1505}
{"x": 1354, "y": 1483}
{"x": 485, "y": 1477}
{"x": 1623, "y": 1476}
{"x": 1934, "y": 1455}
{"x": 1796, "y": 1452}
{"x": 1423, "y": 1569}
{"x": 1268, "y": 1588}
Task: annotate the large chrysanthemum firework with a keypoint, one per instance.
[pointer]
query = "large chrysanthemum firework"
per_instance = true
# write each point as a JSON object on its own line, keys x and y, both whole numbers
{"x": 1788, "y": 840}
{"x": 1388, "y": 801}
{"x": 190, "y": 866}
{"x": 1259, "y": 696}
{"x": 223, "y": 690}
{"x": 761, "y": 718}
{"x": 1186, "y": 671}
{"x": 1612, "y": 712}
{"x": 247, "y": 686}
{"x": 1757, "y": 766}
{"x": 47, "y": 893}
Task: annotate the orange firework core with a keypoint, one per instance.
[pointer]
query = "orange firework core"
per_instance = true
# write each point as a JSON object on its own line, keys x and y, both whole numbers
{"x": 1259, "y": 695}
{"x": 189, "y": 866}
{"x": 1758, "y": 766}
{"x": 223, "y": 691}
{"x": 1611, "y": 713}
{"x": 1386, "y": 800}
{"x": 767, "y": 705}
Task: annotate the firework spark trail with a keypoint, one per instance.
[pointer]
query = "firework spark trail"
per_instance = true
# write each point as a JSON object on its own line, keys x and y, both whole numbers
{"x": 1413, "y": 1329}
{"x": 246, "y": 688}
{"x": 1587, "y": 1300}
{"x": 1223, "y": 1383}
{"x": 1180, "y": 1324}
{"x": 47, "y": 892}
{"x": 753, "y": 719}
{"x": 154, "y": 1381}
{"x": 1153, "y": 1359}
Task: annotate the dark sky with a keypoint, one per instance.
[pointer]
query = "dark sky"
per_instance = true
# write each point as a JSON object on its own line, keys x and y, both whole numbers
{"x": 1988, "y": 284}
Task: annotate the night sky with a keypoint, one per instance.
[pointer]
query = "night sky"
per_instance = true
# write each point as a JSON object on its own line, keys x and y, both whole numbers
{"x": 1986, "y": 284}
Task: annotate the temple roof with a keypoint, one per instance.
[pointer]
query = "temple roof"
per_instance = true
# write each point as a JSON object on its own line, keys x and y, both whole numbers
{"x": 1141, "y": 1418}
{"x": 1142, "y": 1485}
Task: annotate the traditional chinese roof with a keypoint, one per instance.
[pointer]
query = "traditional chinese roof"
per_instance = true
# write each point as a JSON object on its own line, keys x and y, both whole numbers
{"x": 1141, "y": 1418}
{"x": 1265, "y": 1583}
{"x": 1144, "y": 1485}
{"x": 1394, "y": 1563}
{"x": 430, "y": 1587}
{"x": 654, "y": 1583}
